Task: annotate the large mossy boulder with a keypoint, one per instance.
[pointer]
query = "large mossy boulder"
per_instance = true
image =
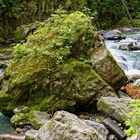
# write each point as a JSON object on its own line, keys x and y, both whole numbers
{"x": 53, "y": 69}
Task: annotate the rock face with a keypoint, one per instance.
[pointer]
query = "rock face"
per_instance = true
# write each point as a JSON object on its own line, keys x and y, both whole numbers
{"x": 117, "y": 108}
{"x": 66, "y": 126}
{"x": 104, "y": 65}
{"x": 53, "y": 70}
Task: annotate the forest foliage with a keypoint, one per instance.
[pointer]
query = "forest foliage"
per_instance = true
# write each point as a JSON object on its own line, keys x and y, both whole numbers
{"x": 105, "y": 13}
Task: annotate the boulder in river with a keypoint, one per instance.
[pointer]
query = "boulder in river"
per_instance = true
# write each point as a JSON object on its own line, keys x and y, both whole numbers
{"x": 113, "y": 35}
{"x": 133, "y": 46}
{"x": 53, "y": 70}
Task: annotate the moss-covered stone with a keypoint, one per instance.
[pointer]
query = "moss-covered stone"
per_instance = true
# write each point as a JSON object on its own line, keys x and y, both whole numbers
{"x": 52, "y": 70}
{"x": 117, "y": 108}
{"x": 34, "y": 118}
{"x": 105, "y": 65}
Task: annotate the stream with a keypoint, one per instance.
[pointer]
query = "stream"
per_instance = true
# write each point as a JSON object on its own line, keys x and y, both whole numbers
{"x": 128, "y": 60}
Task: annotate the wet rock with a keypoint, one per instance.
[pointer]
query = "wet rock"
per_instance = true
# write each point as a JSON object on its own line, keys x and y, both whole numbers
{"x": 12, "y": 137}
{"x": 31, "y": 134}
{"x": 64, "y": 126}
{"x": 99, "y": 127}
{"x": 117, "y": 108}
{"x": 105, "y": 65}
{"x": 112, "y": 126}
{"x": 113, "y": 35}
{"x": 133, "y": 46}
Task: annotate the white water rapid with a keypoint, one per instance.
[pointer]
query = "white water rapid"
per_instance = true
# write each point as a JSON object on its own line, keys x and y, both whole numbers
{"x": 128, "y": 60}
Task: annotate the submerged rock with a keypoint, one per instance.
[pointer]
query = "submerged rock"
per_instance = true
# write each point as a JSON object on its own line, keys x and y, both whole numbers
{"x": 66, "y": 126}
{"x": 133, "y": 46}
{"x": 117, "y": 108}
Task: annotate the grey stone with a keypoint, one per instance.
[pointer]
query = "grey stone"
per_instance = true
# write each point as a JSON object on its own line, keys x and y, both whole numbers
{"x": 99, "y": 127}
{"x": 31, "y": 134}
{"x": 112, "y": 126}
{"x": 117, "y": 108}
{"x": 67, "y": 126}
{"x": 113, "y": 35}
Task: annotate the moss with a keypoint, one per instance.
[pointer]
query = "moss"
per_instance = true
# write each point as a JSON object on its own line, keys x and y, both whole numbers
{"x": 49, "y": 72}
{"x": 126, "y": 22}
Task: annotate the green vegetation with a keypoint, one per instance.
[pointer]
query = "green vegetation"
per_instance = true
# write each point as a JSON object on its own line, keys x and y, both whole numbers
{"x": 134, "y": 121}
{"x": 51, "y": 71}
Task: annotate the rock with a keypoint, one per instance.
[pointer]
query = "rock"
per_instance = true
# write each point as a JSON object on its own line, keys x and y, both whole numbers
{"x": 117, "y": 108}
{"x": 52, "y": 70}
{"x": 112, "y": 137}
{"x": 99, "y": 127}
{"x": 34, "y": 118}
{"x": 66, "y": 126}
{"x": 123, "y": 95}
{"x": 105, "y": 65}
{"x": 96, "y": 117}
{"x": 127, "y": 29}
{"x": 112, "y": 126}
{"x": 113, "y": 35}
{"x": 31, "y": 134}
{"x": 12, "y": 137}
{"x": 6, "y": 54}
{"x": 23, "y": 31}
{"x": 133, "y": 46}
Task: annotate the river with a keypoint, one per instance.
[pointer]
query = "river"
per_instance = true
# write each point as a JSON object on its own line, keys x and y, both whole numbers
{"x": 128, "y": 60}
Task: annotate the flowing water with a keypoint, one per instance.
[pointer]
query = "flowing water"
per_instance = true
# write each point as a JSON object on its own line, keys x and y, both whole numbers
{"x": 128, "y": 60}
{"x": 5, "y": 125}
